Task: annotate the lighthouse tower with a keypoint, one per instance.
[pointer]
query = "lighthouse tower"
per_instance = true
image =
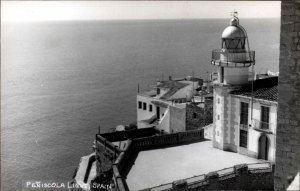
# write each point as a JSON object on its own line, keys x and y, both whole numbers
{"x": 234, "y": 61}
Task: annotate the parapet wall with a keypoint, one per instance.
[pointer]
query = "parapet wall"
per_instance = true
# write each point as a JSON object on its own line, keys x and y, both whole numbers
{"x": 257, "y": 176}
{"x": 241, "y": 178}
{"x": 167, "y": 140}
{"x": 130, "y": 134}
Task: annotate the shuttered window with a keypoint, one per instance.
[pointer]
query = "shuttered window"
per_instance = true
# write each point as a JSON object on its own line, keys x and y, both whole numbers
{"x": 265, "y": 117}
{"x": 244, "y": 114}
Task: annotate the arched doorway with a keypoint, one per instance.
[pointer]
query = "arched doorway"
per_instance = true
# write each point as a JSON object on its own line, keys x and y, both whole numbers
{"x": 263, "y": 147}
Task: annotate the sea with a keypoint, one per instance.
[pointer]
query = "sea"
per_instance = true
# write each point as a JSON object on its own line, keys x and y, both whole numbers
{"x": 61, "y": 81}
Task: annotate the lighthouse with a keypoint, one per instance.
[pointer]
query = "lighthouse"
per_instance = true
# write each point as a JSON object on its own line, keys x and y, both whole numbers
{"x": 234, "y": 62}
{"x": 234, "y": 58}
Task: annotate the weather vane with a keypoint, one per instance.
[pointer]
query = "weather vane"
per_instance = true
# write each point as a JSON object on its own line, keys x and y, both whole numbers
{"x": 234, "y": 13}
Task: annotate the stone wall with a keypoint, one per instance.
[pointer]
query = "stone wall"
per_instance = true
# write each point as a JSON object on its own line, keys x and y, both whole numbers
{"x": 177, "y": 119}
{"x": 288, "y": 128}
{"x": 198, "y": 117}
{"x": 106, "y": 153}
{"x": 239, "y": 177}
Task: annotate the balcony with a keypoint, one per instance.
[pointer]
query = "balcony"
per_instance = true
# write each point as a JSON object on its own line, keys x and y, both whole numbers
{"x": 232, "y": 59}
{"x": 262, "y": 126}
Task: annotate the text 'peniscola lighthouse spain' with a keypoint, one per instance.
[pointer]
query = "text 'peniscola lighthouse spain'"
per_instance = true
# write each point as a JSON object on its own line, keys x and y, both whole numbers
{"x": 235, "y": 61}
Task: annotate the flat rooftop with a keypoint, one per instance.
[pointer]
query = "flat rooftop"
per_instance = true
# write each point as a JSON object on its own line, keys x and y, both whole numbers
{"x": 160, "y": 166}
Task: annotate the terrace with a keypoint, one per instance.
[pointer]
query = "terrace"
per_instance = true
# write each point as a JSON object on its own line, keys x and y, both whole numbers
{"x": 162, "y": 166}
{"x": 143, "y": 159}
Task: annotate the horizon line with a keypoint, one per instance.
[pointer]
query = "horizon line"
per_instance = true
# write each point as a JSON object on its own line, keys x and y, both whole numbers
{"x": 128, "y": 19}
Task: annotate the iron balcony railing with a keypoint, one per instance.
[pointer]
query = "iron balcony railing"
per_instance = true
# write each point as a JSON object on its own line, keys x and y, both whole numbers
{"x": 261, "y": 125}
{"x": 233, "y": 59}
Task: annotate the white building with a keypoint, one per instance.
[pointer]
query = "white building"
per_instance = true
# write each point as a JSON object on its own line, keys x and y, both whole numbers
{"x": 164, "y": 107}
{"x": 245, "y": 112}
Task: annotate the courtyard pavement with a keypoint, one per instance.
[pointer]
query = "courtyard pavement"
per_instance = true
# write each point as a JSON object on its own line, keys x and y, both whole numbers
{"x": 161, "y": 166}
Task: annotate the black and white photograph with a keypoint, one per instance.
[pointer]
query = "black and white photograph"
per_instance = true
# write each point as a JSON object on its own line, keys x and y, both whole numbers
{"x": 150, "y": 95}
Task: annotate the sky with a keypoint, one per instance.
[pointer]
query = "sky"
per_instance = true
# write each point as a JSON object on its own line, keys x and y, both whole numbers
{"x": 30, "y": 11}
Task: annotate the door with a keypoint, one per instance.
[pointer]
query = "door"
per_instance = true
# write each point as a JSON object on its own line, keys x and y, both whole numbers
{"x": 263, "y": 147}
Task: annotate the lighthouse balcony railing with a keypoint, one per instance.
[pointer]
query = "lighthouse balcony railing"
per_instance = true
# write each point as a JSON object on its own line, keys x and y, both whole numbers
{"x": 233, "y": 59}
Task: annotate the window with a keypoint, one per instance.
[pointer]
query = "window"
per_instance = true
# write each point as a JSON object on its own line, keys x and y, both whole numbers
{"x": 222, "y": 75}
{"x": 140, "y": 105}
{"x": 218, "y": 100}
{"x": 144, "y": 106}
{"x": 150, "y": 107}
{"x": 218, "y": 117}
{"x": 244, "y": 114}
{"x": 243, "y": 138}
{"x": 265, "y": 117}
{"x": 157, "y": 91}
{"x": 233, "y": 43}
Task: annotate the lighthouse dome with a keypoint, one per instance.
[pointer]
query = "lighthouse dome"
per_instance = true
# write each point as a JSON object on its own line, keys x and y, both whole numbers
{"x": 233, "y": 30}
{"x": 234, "y": 36}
